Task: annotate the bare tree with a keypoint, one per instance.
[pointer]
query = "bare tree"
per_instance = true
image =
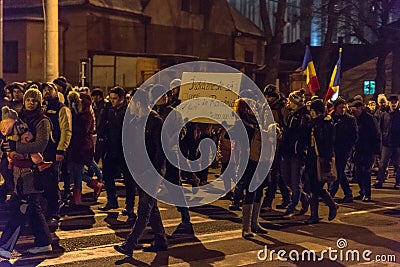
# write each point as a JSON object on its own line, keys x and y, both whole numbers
{"x": 371, "y": 25}
{"x": 273, "y": 37}
{"x": 324, "y": 67}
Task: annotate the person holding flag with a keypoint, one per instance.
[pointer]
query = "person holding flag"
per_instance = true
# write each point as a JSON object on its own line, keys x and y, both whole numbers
{"x": 309, "y": 70}
{"x": 333, "y": 90}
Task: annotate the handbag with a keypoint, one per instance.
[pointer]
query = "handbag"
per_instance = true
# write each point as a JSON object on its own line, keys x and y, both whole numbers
{"x": 326, "y": 167}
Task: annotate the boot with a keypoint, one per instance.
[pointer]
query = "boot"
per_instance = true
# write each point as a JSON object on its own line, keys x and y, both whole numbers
{"x": 235, "y": 203}
{"x": 97, "y": 187}
{"x": 266, "y": 206}
{"x": 333, "y": 207}
{"x": 314, "y": 218}
{"x": 246, "y": 220}
{"x": 76, "y": 197}
{"x": 305, "y": 203}
{"x": 255, "y": 225}
{"x": 44, "y": 165}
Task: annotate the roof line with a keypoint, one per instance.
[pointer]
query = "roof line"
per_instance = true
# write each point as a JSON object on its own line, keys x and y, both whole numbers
{"x": 230, "y": 14}
{"x": 230, "y": 7}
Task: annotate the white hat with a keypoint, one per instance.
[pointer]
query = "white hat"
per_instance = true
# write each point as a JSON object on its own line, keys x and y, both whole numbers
{"x": 175, "y": 83}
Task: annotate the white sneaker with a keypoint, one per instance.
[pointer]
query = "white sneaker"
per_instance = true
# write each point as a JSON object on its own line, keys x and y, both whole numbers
{"x": 5, "y": 254}
{"x": 37, "y": 250}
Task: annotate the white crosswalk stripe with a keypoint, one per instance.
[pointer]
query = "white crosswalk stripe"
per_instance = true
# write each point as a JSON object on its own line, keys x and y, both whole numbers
{"x": 90, "y": 253}
{"x": 104, "y": 230}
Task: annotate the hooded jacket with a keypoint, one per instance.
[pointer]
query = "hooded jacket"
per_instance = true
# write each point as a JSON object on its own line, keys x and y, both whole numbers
{"x": 82, "y": 146}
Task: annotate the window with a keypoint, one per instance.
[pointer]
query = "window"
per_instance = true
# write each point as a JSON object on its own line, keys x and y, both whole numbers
{"x": 185, "y": 5}
{"x": 369, "y": 87}
{"x": 248, "y": 56}
{"x": 10, "y": 57}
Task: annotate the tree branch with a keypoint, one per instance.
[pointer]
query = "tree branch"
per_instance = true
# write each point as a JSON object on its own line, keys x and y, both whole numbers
{"x": 265, "y": 20}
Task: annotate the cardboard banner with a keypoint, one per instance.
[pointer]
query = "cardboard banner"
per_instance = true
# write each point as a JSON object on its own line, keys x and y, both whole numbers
{"x": 210, "y": 95}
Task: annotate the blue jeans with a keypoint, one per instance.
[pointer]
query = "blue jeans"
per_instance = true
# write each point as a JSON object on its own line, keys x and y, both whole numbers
{"x": 95, "y": 168}
{"x": 148, "y": 212}
{"x": 292, "y": 169}
{"x": 79, "y": 175}
{"x": 389, "y": 153}
{"x": 341, "y": 161}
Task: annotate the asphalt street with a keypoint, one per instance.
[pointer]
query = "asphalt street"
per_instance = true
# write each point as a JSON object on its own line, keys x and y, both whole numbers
{"x": 85, "y": 236}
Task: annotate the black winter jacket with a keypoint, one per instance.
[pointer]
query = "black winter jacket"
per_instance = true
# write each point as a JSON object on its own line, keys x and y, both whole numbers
{"x": 323, "y": 130}
{"x": 296, "y": 137}
{"x": 368, "y": 143}
{"x": 111, "y": 129}
{"x": 391, "y": 135}
{"x": 346, "y": 132}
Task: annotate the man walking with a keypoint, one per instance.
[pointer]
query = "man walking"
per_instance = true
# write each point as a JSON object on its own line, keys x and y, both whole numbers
{"x": 346, "y": 132}
{"x": 110, "y": 131}
{"x": 391, "y": 143}
{"x": 148, "y": 211}
{"x": 366, "y": 147}
{"x": 295, "y": 142}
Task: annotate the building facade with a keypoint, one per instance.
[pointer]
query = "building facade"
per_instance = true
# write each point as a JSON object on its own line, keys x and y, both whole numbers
{"x": 104, "y": 43}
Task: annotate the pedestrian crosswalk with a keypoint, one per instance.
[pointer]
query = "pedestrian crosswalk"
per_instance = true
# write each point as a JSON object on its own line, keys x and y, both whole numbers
{"x": 86, "y": 238}
{"x": 90, "y": 253}
{"x": 104, "y": 230}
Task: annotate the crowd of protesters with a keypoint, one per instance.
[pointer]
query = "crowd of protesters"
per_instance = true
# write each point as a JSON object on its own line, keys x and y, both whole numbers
{"x": 317, "y": 144}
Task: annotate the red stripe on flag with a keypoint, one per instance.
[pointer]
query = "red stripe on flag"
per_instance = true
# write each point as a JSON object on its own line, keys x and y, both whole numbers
{"x": 313, "y": 85}
{"x": 329, "y": 94}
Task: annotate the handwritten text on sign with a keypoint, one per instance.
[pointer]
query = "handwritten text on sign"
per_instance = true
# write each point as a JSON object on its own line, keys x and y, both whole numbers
{"x": 206, "y": 91}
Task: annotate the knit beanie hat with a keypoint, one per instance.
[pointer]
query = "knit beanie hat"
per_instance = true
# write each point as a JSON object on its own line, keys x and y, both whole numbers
{"x": 271, "y": 90}
{"x": 175, "y": 83}
{"x": 297, "y": 97}
{"x": 34, "y": 93}
{"x": 8, "y": 113}
{"x": 49, "y": 84}
{"x": 61, "y": 81}
{"x": 318, "y": 106}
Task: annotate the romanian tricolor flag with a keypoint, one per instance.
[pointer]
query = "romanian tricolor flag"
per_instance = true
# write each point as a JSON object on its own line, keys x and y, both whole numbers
{"x": 333, "y": 90}
{"x": 309, "y": 71}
